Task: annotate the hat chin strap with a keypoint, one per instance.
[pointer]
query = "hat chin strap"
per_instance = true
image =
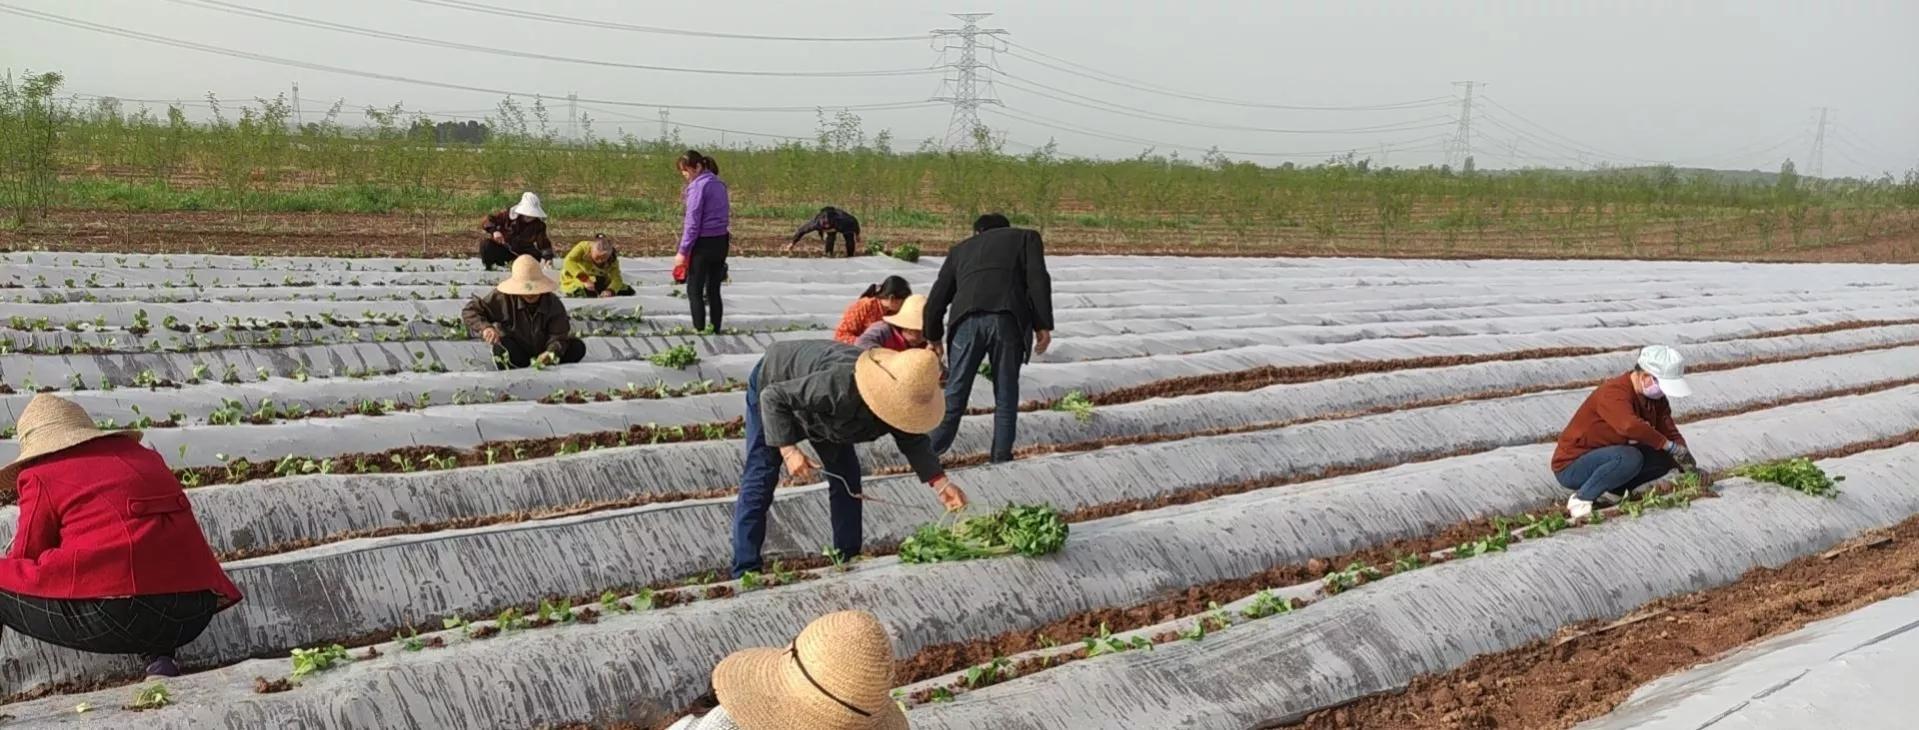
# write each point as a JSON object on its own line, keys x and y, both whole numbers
{"x": 793, "y": 650}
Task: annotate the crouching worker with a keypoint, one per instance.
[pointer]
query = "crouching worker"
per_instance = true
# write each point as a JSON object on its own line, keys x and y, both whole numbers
{"x": 523, "y": 321}
{"x": 900, "y": 330}
{"x": 514, "y": 232}
{"x": 835, "y": 396}
{"x": 107, "y": 557}
{"x": 836, "y": 675}
{"x": 592, "y": 269}
{"x": 1623, "y": 436}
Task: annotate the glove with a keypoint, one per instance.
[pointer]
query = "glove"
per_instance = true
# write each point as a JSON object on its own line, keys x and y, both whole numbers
{"x": 1682, "y": 455}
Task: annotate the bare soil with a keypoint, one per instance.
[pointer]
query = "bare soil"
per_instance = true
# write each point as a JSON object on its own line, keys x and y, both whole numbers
{"x": 1895, "y": 239}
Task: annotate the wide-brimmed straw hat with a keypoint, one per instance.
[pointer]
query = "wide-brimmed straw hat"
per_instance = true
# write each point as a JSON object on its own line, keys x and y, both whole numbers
{"x": 529, "y": 206}
{"x": 837, "y": 675}
{"x": 49, "y": 424}
{"x": 912, "y": 314}
{"x": 528, "y": 278}
{"x": 902, "y": 388}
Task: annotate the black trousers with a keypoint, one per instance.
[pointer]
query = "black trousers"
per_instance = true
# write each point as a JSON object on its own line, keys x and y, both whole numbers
{"x": 150, "y": 626}
{"x": 518, "y": 355}
{"x": 851, "y": 238}
{"x": 705, "y": 270}
{"x": 494, "y": 254}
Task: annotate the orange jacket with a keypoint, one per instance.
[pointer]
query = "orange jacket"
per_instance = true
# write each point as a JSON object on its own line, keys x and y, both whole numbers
{"x": 1614, "y": 414}
{"x": 861, "y": 314}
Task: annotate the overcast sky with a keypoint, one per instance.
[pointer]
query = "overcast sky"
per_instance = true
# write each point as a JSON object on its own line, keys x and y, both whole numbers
{"x": 1721, "y": 84}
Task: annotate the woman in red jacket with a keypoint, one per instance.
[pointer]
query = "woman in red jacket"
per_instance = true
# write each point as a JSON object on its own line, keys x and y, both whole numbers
{"x": 873, "y": 305}
{"x": 107, "y": 557}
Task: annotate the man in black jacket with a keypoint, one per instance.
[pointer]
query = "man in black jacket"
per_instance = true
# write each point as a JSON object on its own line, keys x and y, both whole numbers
{"x": 995, "y": 297}
{"x": 830, "y": 224}
{"x": 835, "y": 396}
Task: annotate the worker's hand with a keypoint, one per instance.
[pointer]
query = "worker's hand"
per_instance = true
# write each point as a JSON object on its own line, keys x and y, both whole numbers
{"x": 679, "y": 259}
{"x": 547, "y": 359}
{"x": 606, "y": 294}
{"x": 1682, "y": 455}
{"x": 491, "y": 335}
{"x": 499, "y": 237}
{"x": 1042, "y": 340}
{"x": 950, "y": 494}
{"x": 803, "y": 469}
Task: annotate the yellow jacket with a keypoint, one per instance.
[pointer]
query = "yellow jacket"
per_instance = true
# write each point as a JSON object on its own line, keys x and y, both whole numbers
{"x": 579, "y": 270}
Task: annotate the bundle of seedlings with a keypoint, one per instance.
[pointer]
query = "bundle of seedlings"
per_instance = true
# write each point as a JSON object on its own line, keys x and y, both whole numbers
{"x": 1030, "y": 530}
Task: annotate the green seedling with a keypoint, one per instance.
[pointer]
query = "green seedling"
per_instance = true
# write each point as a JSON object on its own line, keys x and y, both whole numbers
{"x": 1798, "y": 474}
{"x": 1408, "y": 563}
{"x": 1542, "y": 526}
{"x": 510, "y": 620}
{"x": 1030, "y": 530}
{"x": 678, "y": 357}
{"x": 1350, "y": 577}
{"x": 1077, "y": 404}
{"x": 749, "y": 581}
{"x": 411, "y": 641}
{"x": 308, "y": 661}
{"x": 152, "y": 697}
{"x": 988, "y": 674}
{"x": 1105, "y": 643}
{"x": 610, "y": 603}
{"x": 1266, "y": 604}
{"x": 834, "y": 556}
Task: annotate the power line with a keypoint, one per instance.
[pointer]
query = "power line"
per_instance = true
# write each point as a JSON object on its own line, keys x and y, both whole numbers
{"x": 611, "y": 25}
{"x": 1017, "y": 83}
{"x": 1117, "y": 80}
{"x": 1575, "y": 144}
{"x": 420, "y": 40}
{"x": 263, "y": 58}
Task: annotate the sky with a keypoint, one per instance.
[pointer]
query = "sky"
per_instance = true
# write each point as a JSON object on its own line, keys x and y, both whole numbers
{"x": 1733, "y": 85}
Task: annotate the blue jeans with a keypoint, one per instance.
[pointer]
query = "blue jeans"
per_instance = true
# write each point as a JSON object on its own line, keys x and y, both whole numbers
{"x": 762, "y": 474}
{"x": 1614, "y": 469}
{"x": 999, "y": 340}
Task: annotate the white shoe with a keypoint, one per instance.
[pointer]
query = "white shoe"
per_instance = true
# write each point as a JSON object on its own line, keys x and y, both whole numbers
{"x": 1578, "y": 509}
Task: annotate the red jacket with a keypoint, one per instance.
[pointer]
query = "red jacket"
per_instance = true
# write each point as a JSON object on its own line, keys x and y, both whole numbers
{"x": 107, "y": 519}
{"x": 1615, "y": 413}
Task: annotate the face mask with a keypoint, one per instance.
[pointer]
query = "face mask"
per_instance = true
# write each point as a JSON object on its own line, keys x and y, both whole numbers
{"x": 1653, "y": 391}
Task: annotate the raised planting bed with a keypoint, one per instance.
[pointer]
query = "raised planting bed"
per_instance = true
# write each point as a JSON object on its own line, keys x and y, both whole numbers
{"x": 590, "y": 673}
{"x": 416, "y": 579}
{"x": 1381, "y": 636}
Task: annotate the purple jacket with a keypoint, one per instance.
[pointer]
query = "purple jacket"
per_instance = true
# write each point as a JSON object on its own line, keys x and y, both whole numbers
{"x": 707, "y": 210}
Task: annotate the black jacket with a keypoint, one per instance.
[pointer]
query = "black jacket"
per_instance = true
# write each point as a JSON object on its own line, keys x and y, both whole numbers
{"x": 1001, "y": 270}
{"x": 837, "y": 220}
{"x": 807, "y": 394}
{"x": 539, "y": 325}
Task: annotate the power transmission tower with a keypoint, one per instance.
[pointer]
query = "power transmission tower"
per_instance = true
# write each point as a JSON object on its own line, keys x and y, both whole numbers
{"x": 964, "y": 81}
{"x": 573, "y": 115}
{"x": 1817, "y": 160}
{"x": 1461, "y": 148}
{"x": 298, "y": 123}
{"x": 665, "y": 116}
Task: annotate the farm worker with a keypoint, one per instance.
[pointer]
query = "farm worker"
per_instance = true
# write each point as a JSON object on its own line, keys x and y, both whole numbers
{"x": 876, "y": 302}
{"x": 902, "y": 330}
{"x": 704, "y": 238}
{"x": 524, "y": 321}
{"x": 835, "y": 396}
{"x": 592, "y": 269}
{"x": 836, "y": 675}
{"x": 1623, "y": 436}
{"x": 107, "y": 557}
{"x": 516, "y": 231}
{"x": 997, "y": 303}
{"x": 830, "y": 224}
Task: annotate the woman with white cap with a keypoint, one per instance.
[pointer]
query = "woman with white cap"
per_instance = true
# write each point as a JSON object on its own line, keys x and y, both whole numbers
{"x": 107, "y": 557}
{"x": 835, "y": 396}
{"x": 524, "y": 321}
{"x": 836, "y": 675}
{"x": 1623, "y": 436}
{"x": 514, "y": 232}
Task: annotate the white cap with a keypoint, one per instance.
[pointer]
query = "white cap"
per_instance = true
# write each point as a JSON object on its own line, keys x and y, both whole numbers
{"x": 1666, "y": 365}
{"x": 529, "y": 206}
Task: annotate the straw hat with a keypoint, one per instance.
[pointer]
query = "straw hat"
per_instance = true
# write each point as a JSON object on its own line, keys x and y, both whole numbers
{"x": 529, "y": 206}
{"x": 527, "y": 278}
{"x": 912, "y": 314}
{"x": 837, "y": 675}
{"x": 49, "y": 424}
{"x": 902, "y": 388}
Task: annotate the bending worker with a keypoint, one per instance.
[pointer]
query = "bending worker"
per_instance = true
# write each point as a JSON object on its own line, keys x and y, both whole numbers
{"x": 592, "y": 269}
{"x": 835, "y": 396}
{"x": 107, "y": 557}
{"x": 1623, "y": 436}
{"x": 830, "y": 224}
{"x": 515, "y": 232}
{"x": 524, "y": 321}
{"x": 836, "y": 675}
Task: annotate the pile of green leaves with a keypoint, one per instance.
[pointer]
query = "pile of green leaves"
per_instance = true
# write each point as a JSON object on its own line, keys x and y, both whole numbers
{"x": 679, "y": 357}
{"x": 1030, "y": 530}
{"x": 1077, "y": 404}
{"x": 907, "y": 252}
{"x": 308, "y": 661}
{"x": 1798, "y": 474}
